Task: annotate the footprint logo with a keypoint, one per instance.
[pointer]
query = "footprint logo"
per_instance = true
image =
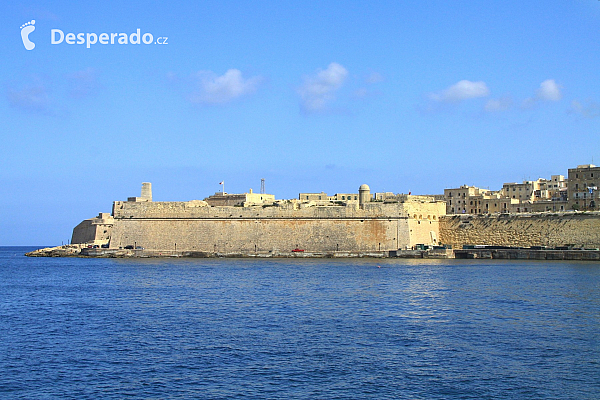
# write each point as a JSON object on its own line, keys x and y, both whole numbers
{"x": 26, "y": 29}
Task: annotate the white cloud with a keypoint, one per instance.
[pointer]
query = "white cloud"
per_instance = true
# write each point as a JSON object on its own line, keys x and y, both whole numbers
{"x": 549, "y": 90}
{"x": 501, "y": 104}
{"x": 213, "y": 89}
{"x": 460, "y": 91}
{"x": 31, "y": 98}
{"x": 591, "y": 110}
{"x": 319, "y": 90}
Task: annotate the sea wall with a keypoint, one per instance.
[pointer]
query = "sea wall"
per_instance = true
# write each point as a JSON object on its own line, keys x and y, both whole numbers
{"x": 194, "y": 226}
{"x": 524, "y": 230}
{"x": 252, "y": 235}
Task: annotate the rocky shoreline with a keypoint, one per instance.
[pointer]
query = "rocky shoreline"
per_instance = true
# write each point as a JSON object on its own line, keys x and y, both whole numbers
{"x": 80, "y": 250}
{"x": 84, "y": 251}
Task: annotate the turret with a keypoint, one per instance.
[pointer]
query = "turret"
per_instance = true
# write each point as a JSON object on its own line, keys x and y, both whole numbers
{"x": 147, "y": 191}
{"x": 364, "y": 195}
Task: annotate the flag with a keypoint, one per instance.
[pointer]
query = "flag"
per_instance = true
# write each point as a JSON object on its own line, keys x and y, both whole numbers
{"x": 222, "y": 182}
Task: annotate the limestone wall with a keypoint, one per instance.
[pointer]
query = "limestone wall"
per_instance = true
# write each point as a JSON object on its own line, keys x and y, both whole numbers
{"x": 94, "y": 230}
{"x": 194, "y": 226}
{"x": 580, "y": 229}
{"x": 199, "y": 209}
{"x": 247, "y": 235}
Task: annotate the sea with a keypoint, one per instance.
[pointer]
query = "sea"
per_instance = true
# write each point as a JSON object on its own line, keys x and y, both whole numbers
{"x": 83, "y": 328}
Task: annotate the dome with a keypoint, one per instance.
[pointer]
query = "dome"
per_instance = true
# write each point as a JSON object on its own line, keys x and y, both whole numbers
{"x": 364, "y": 187}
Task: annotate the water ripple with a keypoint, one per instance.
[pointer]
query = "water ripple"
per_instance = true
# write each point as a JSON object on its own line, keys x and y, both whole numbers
{"x": 298, "y": 329}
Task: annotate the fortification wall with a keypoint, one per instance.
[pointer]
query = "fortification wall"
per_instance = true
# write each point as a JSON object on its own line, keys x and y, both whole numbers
{"x": 199, "y": 209}
{"x": 195, "y": 227}
{"x": 580, "y": 229}
{"x": 84, "y": 232}
{"x": 94, "y": 230}
{"x": 246, "y": 235}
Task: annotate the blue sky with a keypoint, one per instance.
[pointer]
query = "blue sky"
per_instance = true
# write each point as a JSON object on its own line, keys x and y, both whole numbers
{"x": 310, "y": 95}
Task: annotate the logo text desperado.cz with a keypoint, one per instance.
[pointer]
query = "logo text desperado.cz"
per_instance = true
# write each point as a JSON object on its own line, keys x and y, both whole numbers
{"x": 57, "y": 37}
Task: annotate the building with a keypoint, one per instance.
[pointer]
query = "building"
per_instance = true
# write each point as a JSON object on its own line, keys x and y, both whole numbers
{"x": 523, "y": 192}
{"x": 313, "y": 196}
{"x": 529, "y": 196}
{"x": 323, "y": 198}
{"x": 345, "y": 197}
{"x": 582, "y": 189}
{"x": 459, "y": 200}
{"x": 239, "y": 200}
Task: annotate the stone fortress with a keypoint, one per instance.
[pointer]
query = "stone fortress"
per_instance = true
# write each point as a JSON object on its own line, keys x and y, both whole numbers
{"x": 544, "y": 213}
{"x": 255, "y": 222}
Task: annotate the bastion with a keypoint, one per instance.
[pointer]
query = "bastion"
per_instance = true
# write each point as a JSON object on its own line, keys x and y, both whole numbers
{"x": 267, "y": 225}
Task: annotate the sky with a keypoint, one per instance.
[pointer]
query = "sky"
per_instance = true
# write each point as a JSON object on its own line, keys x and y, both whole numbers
{"x": 309, "y": 95}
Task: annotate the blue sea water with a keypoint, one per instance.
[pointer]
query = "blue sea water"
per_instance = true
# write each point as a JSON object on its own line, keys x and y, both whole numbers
{"x": 75, "y": 328}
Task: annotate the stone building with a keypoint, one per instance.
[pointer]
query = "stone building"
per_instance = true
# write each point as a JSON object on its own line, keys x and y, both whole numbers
{"x": 345, "y": 197}
{"x": 529, "y": 196}
{"x": 523, "y": 192}
{"x": 582, "y": 187}
{"x": 239, "y": 200}
{"x": 459, "y": 200}
{"x": 323, "y": 198}
{"x": 313, "y": 197}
